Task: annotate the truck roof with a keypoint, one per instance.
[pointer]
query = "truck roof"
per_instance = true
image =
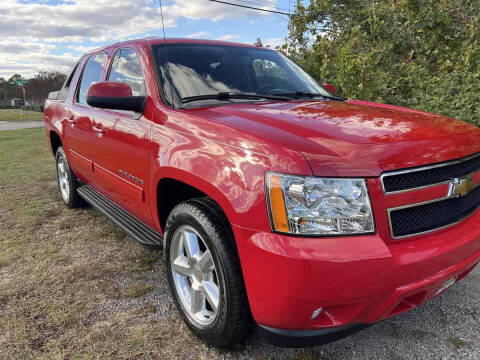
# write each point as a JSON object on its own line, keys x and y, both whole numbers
{"x": 160, "y": 40}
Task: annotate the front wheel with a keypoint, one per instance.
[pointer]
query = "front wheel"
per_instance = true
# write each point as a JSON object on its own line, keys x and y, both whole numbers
{"x": 204, "y": 273}
{"x": 67, "y": 182}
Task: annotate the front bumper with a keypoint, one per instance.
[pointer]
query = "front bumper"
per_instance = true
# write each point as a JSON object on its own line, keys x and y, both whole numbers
{"x": 302, "y": 338}
{"x": 355, "y": 280}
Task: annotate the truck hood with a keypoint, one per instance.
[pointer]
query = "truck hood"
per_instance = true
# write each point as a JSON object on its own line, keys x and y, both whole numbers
{"x": 352, "y": 138}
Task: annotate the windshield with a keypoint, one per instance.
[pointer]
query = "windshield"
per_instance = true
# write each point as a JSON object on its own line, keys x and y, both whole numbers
{"x": 199, "y": 69}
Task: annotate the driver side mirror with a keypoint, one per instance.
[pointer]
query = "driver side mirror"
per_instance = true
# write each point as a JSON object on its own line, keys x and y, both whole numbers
{"x": 115, "y": 96}
{"x": 330, "y": 88}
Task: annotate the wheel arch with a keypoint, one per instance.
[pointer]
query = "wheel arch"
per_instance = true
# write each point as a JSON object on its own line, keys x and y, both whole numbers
{"x": 55, "y": 141}
{"x": 174, "y": 186}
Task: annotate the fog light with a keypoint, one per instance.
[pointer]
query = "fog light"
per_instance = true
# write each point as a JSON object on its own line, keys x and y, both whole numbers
{"x": 316, "y": 313}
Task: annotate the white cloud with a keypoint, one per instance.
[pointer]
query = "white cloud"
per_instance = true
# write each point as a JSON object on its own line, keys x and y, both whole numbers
{"x": 201, "y": 9}
{"x": 97, "y": 20}
{"x": 197, "y": 35}
{"x": 29, "y": 57}
{"x": 228, "y": 37}
{"x": 274, "y": 42}
{"x": 81, "y": 48}
{"x": 9, "y": 46}
{"x": 32, "y": 32}
{"x": 36, "y": 62}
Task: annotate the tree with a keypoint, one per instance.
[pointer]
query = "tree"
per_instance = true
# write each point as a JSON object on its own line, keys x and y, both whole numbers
{"x": 42, "y": 84}
{"x": 9, "y": 90}
{"x": 417, "y": 53}
{"x": 37, "y": 88}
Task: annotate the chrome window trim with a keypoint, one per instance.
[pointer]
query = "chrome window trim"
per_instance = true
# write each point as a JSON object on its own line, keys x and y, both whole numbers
{"x": 389, "y": 211}
{"x": 423, "y": 168}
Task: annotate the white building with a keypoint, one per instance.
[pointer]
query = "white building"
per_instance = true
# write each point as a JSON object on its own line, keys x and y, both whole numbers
{"x": 16, "y": 102}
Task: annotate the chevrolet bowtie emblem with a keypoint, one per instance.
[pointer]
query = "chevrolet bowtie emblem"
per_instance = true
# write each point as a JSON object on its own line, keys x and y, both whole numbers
{"x": 461, "y": 187}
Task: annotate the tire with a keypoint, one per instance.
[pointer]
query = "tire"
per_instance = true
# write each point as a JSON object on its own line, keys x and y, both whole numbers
{"x": 67, "y": 182}
{"x": 230, "y": 323}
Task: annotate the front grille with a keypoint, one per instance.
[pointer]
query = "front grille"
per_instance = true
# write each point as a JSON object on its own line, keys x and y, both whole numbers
{"x": 415, "y": 178}
{"x": 435, "y": 215}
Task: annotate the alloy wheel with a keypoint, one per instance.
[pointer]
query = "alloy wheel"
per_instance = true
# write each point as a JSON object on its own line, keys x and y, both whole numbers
{"x": 63, "y": 181}
{"x": 194, "y": 275}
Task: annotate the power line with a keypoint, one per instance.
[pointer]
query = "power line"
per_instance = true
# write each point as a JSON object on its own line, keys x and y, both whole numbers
{"x": 251, "y": 7}
{"x": 256, "y": 3}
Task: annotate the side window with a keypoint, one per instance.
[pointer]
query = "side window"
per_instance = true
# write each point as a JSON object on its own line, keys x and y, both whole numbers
{"x": 63, "y": 94}
{"x": 126, "y": 68}
{"x": 92, "y": 73}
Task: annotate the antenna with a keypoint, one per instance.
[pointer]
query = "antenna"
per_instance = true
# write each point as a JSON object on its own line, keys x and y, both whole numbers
{"x": 166, "y": 51}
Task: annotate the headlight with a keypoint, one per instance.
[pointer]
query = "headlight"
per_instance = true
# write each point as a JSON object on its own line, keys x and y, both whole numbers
{"x": 319, "y": 206}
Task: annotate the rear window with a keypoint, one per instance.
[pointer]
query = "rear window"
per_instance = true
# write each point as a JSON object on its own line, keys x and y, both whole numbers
{"x": 62, "y": 94}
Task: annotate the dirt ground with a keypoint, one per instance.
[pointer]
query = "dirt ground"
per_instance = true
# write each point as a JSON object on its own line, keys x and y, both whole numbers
{"x": 73, "y": 285}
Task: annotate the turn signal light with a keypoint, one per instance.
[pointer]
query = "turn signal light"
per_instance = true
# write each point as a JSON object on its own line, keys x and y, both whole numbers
{"x": 277, "y": 203}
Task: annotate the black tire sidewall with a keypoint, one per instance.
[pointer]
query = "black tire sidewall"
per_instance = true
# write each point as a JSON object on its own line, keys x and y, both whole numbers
{"x": 209, "y": 236}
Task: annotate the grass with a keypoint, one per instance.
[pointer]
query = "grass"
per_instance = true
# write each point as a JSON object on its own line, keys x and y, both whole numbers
{"x": 71, "y": 282}
{"x": 14, "y": 115}
{"x": 138, "y": 290}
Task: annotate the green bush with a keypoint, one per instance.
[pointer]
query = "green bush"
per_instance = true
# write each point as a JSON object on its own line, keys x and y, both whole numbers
{"x": 423, "y": 54}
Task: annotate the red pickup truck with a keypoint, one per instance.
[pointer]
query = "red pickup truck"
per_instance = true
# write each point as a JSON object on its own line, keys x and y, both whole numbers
{"x": 276, "y": 203}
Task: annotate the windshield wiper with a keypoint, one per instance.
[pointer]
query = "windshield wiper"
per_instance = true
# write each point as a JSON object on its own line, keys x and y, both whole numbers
{"x": 232, "y": 95}
{"x": 307, "y": 94}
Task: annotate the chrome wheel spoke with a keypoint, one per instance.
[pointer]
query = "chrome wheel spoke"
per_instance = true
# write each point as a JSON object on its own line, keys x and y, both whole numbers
{"x": 63, "y": 181}
{"x": 197, "y": 301}
{"x": 61, "y": 168}
{"x": 206, "y": 262}
{"x": 190, "y": 243}
{"x": 181, "y": 266}
{"x": 193, "y": 270}
{"x": 210, "y": 289}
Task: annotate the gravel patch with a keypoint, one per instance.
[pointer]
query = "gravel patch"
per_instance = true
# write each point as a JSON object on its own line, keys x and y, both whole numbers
{"x": 159, "y": 297}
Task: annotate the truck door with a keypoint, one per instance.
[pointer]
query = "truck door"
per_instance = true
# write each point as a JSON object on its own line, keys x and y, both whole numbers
{"x": 121, "y": 153}
{"x": 78, "y": 132}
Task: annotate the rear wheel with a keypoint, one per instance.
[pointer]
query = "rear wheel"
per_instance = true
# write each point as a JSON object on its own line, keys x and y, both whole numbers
{"x": 204, "y": 273}
{"x": 67, "y": 182}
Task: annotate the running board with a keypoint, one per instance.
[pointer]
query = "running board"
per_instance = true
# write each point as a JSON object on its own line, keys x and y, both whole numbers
{"x": 135, "y": 228}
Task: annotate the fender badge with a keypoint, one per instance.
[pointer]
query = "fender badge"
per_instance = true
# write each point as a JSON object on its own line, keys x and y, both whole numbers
{"x": 131, "y": 177}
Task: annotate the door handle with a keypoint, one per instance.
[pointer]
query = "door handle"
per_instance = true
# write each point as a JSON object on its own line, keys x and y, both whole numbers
{"x": 98, "y": 128}
{"x": 72, "y": 120}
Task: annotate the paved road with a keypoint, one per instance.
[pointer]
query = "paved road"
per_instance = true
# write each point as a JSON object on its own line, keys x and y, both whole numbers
{"x": 6, "y": 125}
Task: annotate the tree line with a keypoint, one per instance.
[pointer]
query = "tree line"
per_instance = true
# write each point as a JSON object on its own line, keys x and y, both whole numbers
{"x": 37, "y": 88}
{"x": 423, "y": 54}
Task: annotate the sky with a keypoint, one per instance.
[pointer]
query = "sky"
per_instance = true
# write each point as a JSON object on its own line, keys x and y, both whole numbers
{"x": 53, "y": 34}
